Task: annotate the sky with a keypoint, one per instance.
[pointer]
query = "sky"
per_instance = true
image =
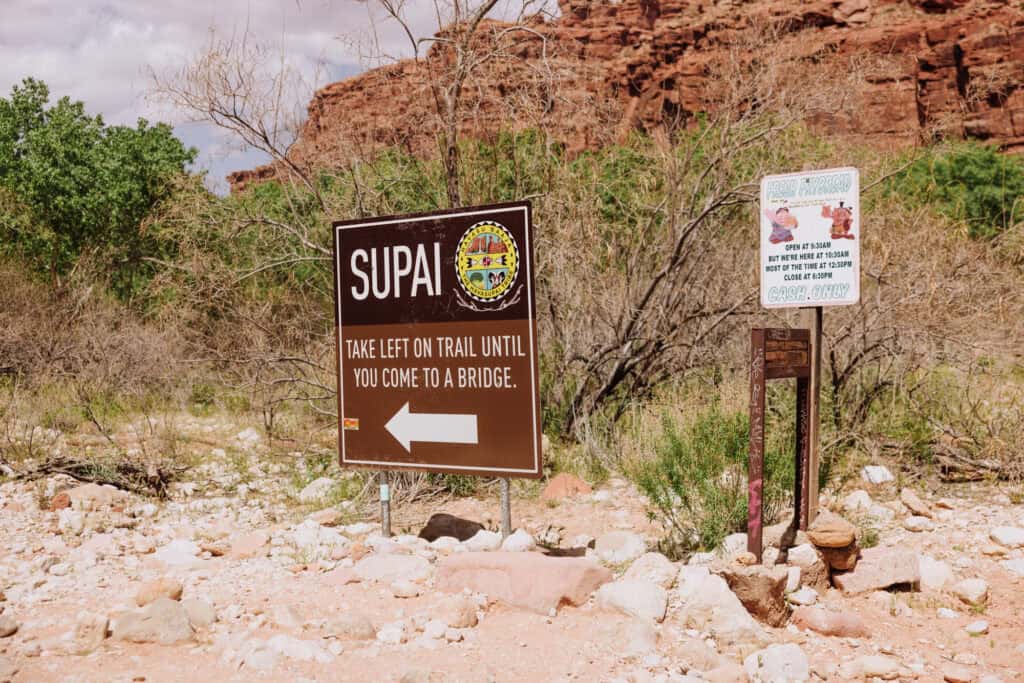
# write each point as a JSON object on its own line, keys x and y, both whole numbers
{"x": 103, "y": 51}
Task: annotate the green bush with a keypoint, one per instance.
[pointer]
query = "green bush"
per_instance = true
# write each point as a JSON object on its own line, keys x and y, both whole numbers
{"x": 697, "y": 481}
{"x": 968, "y": 182}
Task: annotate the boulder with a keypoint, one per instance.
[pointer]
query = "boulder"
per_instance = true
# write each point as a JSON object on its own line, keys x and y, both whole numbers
{"x": 878, "y": 569}
{"x": 840, "y": 559}
{"x": 1009, "y": 536}
{"x": 390, "y": 568}
{"x": 163, "y": 621}
{"x": 762, "y": 590}
{"x": 89, "y": 497}
{"x": 443, "y": 524}
{"x": 483, "y": 541}
{"x": 707, "y": 605}
{"x": 876, "y": 474}
{"x": 90, "y": 632}
{"x": 828, "y": 623}
{"x": 517, "y": 542}
{"x": 351, "y": 626}
{"x": 635, "y": 597}
{"x": 8, "y": 625}
{"x": 871, "y": 666}
{"x": 831, "y": 531}
{"x": 252, "y": 544}
{"x": 459, "y": 611}
{"x": 179, "y": 553}
{"x": 813, "y": 570}
{"x": 565, "y": 485}
{"x": 914, "y": 503}
{"x": 200, "y": 613}
{"x": 527, "y": 580}
{"x": 164, "y": 587}
{"x": 785, "y": 662}
{"x": 917, "y": 524}
{"x": 619, "y": 547}
{"x": 653, "y": 567}
{"x": 857, "y": 501}
{"x": 935, "y": 574}
{"x": 972, "y": 591}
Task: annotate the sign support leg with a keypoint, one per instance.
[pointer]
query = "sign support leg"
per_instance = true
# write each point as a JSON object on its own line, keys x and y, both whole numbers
{"x": 385, "y": 503}
{"x": 755, "y": 465}
{"x": 813, "y": 321}
{"x": 506, "y": 508}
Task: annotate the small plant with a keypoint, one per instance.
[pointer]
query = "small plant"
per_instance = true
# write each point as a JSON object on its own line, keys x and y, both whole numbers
{"x": 697, "y": 481}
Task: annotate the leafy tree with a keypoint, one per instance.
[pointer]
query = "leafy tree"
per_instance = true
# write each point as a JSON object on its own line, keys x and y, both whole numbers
{"x": 71, "y": 185}
{"x": 968, "y": 182}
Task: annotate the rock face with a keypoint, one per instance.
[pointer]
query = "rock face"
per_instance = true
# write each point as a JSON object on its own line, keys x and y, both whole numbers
{"x": 878, "y": 569}
{"x": 762, "y": 590}
{"x": 619, "y": 65}
{"x": 527, "y": 580}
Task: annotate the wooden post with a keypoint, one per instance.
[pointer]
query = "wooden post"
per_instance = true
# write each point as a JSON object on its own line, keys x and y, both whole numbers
{"x": 813, "y": 321}
{"x": 755, "y": 465}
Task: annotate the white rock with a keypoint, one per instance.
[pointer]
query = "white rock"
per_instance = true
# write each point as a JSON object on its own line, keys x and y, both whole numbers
{"x": 391, "y": 568}
{"x": 392, "y": 634}
{"x": 972, "y": 591}
{"x": 876, "y": 474}
{"x": 405, "y": 589}
{"x": 60, "y": 569}
{"x": 71, "y": 521}
{"x": 917, "y": 524}
{"x": 881, "y": 513}
{"x": 1009, "y": 536}
{"x": 317, "y": 490}
{"x": 857, "y": 501}
{"x": 518, "y": 542}
{"x": 977, "y": 628}
{"x": 248, "y": 438}
{"x": 803, "y": 555}
{"x": 435, "y": 629}
{"x": 634, "y": 597}
{"x": 707, "y": 605}
{"x": 619, "y": 547}
{"x": 946, "y": 613}
{"x": 935, "y": 574}
{"x": 444, "y": 543}
{"x": 653, "y": 567}
{"x": 483, "y": 540}
{"x": 259, "y": 657}
{"x": 359, "y": 528}
{"x": 792, "y": 579}
{"x": 179, "y": 553}
{"x": 317, "y": 541}
{"x": 805, "y": 596}
{"x": 301, "y": 650}
{"x": 778, "y": 663}
{"x": 734, "y": 544}
{"x": 1014, "y": 566}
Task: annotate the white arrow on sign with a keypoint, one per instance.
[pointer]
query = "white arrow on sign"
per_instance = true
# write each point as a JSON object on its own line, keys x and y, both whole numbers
{"x": 407, "y": 427}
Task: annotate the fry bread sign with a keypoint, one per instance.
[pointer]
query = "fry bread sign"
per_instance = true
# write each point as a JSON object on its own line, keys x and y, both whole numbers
{"x": 810, "y": 239}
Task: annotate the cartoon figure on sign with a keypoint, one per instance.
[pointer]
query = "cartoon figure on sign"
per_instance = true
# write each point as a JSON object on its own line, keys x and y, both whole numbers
{"x": 842, "y": 221}
{"x": 783, "y": 223}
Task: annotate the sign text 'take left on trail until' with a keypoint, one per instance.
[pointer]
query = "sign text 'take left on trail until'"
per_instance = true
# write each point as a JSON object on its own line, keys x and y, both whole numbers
{"x": 437, "y": 360}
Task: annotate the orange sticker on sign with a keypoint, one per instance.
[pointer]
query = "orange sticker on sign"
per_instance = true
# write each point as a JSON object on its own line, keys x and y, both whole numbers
{"x": 351, "y": 424}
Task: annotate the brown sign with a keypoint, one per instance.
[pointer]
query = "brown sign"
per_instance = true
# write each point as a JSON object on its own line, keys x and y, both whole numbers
{"x": 437, "y": 361}
{"x": 777, "y": 353}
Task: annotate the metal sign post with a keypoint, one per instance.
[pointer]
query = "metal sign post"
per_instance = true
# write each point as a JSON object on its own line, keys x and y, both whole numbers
{"x": 385, "y": 503}
{"x": 506, "y": 508}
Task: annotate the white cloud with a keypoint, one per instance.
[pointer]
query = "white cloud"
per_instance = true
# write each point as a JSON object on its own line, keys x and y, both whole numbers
{"x": 101, "y": 51}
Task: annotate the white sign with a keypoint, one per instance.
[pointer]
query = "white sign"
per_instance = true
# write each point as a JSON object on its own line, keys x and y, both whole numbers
{"x": 810, "y": 239}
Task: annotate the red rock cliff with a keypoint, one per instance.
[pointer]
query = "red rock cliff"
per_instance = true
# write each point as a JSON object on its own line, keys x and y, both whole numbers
{"x": 607, "y": 66}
